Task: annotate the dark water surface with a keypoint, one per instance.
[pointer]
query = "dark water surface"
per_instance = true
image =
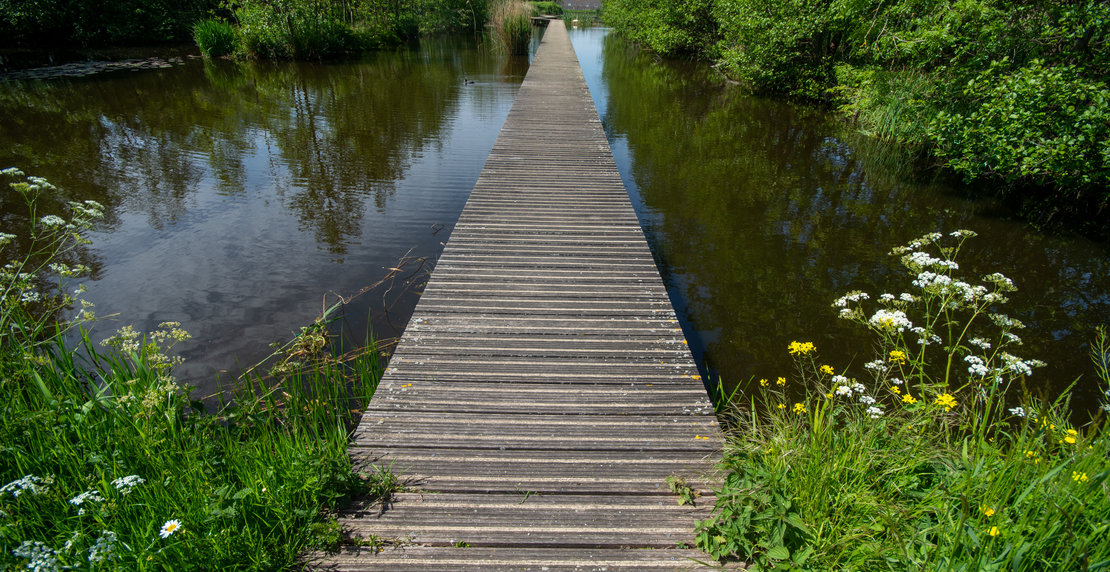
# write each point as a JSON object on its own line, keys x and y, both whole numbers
{"x": 761, "y": 213}
{"x": 240, "y": 194}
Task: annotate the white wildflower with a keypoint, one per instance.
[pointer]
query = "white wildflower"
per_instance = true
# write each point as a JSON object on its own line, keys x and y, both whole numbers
{"x": 980, "y": 342}
{"x": 839, "y": 380}
{"x": 125, "y": 484}
{"x": 892, "y": 319}
{"x": 40, "y": 556}
{"x": 1004, "y": 321}
{"x": 169, "y": 528}
{"x": 896, "y": 380}
{"x": 31, "y": 483}
{"x": 887, "y": 297}
{"x": 855, "y": 296}
{"x": 867, "y": 400}
{"x": 1000, "y": 281}
{"x": 1012, "y": 338}
{"x": 844, "y": 390}
{"x": 876, "y": 365}
{"x": 907, "y": 297}
{"x": 1017, "y": 411}
{"x": 12, "y": 172}
{"x": 87, "y": 496}
{"x": 858, "y": 388}
{"x": 52, "y": 221}
{"x": 5, "y": 238}
{"x": 104, "y": 548}
{"x": 875, "y": 412}
{"x": 978, "y": 367}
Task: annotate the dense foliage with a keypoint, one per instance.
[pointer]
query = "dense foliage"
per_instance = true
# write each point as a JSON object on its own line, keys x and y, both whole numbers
{"x": 83, "y": 23}
{"x": 1009, "y": 90}
{"x": 266, "y": 28}
{"x": 300, "y": 29}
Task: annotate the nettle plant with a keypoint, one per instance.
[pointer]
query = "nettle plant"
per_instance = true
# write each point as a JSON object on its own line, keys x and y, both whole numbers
{"x": 946, "y": 342}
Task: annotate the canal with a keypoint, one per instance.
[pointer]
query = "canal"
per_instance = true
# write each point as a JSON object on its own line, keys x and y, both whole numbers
{"x": 243, "y": 198}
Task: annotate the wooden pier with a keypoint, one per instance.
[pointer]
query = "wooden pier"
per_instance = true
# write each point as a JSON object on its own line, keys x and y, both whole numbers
{"x": 543, "y": 390}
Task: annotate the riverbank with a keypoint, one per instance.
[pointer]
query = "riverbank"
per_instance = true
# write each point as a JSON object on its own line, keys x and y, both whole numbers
{"x": 934, "y": 455}
{"x": 110, "y": 463}
{"x": 1011, "y": 94}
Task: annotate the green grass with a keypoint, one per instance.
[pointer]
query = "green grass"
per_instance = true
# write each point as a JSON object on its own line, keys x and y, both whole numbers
{"x": 108, "y": 462}
{"x": 215, "y": 38}
{"x": 922, "y": 459}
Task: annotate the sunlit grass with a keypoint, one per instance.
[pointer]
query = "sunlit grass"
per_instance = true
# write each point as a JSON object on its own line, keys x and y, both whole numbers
{"x": 109, "y": 463}
{"x": 930, "y": 457}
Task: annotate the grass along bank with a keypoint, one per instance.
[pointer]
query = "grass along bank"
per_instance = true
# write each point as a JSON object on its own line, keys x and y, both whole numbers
{"x": 110, "y": 464}
{"x": 935, "y": 455}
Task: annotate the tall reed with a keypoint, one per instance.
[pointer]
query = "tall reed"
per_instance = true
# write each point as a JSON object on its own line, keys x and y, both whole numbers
{"x": 512, "y": 25}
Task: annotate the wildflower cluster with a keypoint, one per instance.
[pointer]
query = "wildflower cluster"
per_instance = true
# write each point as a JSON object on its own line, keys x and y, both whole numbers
{"x": 39, "y": 265}
{"x": 850, "y": 452}
{"x": 960, "y": 317}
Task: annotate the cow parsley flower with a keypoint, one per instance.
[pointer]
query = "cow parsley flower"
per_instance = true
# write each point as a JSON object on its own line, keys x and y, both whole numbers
{"x": 874, "y": 412}
{"x": 52, "y": 221}
{"x": 125, "y": 484}
{"x": 39, "y": 555}
{"x": 104, "y": 548}
{"x": 891, "y": 319}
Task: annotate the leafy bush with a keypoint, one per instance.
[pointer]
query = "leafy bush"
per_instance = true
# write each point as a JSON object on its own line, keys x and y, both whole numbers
{"x": 215, "y": 38}
{"x": 997, "y": 89}
{"x": 1043, "y": 123}
{"x": 547, "y": 7}
{"x": 921, "y": 459}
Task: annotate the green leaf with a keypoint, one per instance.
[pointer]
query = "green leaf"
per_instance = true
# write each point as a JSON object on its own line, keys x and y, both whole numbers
{"x": 779, "y": 553}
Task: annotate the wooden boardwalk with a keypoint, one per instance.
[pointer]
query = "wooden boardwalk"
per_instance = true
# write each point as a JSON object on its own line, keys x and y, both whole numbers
{"x": 543, "y": 390}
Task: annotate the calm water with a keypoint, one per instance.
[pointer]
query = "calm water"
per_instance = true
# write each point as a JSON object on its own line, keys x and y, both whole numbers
{"x": 240, "y": 196}
{"x": 761, "y": 213}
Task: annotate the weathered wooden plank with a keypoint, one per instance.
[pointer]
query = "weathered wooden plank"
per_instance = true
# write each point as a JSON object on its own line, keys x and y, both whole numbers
{"x": 485, "y": 559}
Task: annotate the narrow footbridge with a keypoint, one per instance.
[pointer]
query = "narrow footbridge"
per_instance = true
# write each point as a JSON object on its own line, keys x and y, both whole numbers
{"x": 543, "y": 391}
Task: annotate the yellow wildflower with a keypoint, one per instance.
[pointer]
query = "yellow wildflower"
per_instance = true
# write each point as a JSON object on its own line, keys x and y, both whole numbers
{"x": 1070, "y": 438}
{"x": 898, "y": 357}
{"x": 1079, "y": 477}
{"x": 763, "y": 382}
{"x": 799, "y": 408}
{"x": 827, "y": 370}
{"x": 994, "y": 531}
{"x": 802, "y": 348}
{"x": 780, "y": 381}
{"x": 946, "y": 400}
{"x": 908, "y": 399}
{"x": 781, "y": 406}
{"x": 987, "y": 511}
{"x": 894, "y": 389}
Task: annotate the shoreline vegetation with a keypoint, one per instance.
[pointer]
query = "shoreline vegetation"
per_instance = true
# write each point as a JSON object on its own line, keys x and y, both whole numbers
{"x": 1008, "y": 94}
{"x": 936, "y": 455}
{"x": 110, "y": 464}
